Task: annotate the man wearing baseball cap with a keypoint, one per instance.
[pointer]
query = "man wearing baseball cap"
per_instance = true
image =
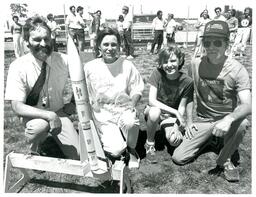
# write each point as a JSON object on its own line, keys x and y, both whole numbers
{"x": 223, "y": 94}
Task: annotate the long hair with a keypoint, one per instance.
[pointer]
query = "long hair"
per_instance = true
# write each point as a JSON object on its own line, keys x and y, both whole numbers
{"x": 33, "y": 23}
{"x": 101, "y": 35}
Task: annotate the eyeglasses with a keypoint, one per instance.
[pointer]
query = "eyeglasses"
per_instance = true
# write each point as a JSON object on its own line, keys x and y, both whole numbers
{"x": 216, "y": 43}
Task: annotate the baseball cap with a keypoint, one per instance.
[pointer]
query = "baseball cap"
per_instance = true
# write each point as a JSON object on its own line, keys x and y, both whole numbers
{"x": 126, "y": 8}
{"x": 216, "y": 28}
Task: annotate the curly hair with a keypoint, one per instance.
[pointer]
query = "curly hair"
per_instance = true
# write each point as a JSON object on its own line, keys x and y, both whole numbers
{"x": 165, "y": 54}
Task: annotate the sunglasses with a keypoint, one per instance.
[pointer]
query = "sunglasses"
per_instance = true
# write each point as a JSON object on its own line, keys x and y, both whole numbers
{"x": 216, "y": 43}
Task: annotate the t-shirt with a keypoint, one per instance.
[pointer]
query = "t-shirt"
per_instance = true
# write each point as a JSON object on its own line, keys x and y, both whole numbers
{"x": 232, "y": 23}
{"x": 217, "y": 97}
{"x": 110, "y": 92}
{"x": 170, "y": 92}
{"x": 244, "y": 21}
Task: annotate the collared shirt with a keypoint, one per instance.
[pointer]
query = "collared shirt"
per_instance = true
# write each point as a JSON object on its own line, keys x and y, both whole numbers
{"x": 220, "y": 18}
{"x": 71, "y": 21}
{"x": 80, "y": 24}
{"x": 171, "y": 26}
{"x": 24, "y": 72}
{"x": 127, "y": 21}
{"x": 53, "y": 26}
{"x": 158, "y": 24}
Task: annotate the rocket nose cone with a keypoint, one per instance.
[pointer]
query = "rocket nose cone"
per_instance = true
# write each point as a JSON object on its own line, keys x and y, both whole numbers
{"x": 74, "y": 62}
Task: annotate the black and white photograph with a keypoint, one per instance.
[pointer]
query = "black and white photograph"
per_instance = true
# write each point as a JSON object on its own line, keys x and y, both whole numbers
{"x": 127, "y": 97}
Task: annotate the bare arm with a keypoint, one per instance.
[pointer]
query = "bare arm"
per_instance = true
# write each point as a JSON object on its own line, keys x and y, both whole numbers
{"x": 154, "y": 102}
{"x": 240, "y": 112}
{"x": 31, "y": 112}
{"x": 135, "y": 100}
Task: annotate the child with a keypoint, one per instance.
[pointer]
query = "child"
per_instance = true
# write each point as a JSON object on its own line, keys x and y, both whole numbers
{"x": 169, "y": 93}
{"x": 120, "y": 29}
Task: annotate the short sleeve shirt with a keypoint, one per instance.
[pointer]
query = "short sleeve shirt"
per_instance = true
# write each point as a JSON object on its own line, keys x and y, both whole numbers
{"x": 170, "y": 92}
{"x": 218, "y": 97}
{"x": 244, "y": 21}
{"x": 110, "y": 92}
{"x": 24, "y": 72}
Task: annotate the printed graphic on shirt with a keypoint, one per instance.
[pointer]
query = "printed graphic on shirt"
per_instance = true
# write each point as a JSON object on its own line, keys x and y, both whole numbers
{"x": 212, "y": 91}
{"x": 245, "y": 22}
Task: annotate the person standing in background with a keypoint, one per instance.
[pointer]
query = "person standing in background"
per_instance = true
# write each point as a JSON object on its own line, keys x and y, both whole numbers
{"x": 171, "y": 28}
{"x": 95, "y": 26}
{"x": 80, "y": 24}
{"x": 243, "y": 32}
{"x": 71, "y": 23}
{"x": 127, "y": 24}
{"x": 158, "y": 25}
{"x": 54, "y": 28}
{"x": 232, "y": 22}
{"x": 219, "y": 15}
{"x": 120, "y": 29}
{"x": 16, "y": 30}
{"x": 204, "y": 18}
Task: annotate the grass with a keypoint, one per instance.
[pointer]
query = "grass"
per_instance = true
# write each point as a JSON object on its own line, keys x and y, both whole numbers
{"x": 163, "y": 177}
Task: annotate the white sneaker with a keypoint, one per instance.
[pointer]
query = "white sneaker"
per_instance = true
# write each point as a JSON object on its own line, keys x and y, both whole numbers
{"x": 130, "y": 57}
{"x": 134, "y": 161}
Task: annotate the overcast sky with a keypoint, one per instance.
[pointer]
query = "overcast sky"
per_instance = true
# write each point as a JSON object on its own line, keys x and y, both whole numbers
{"x": 112, "y": 8}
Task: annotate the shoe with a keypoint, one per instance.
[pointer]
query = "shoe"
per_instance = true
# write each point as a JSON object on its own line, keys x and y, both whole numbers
{"x": 150, "y": 153}
{"x": 231, "y": 173}
{"x": 134, "y": 161}
{"x": 130, "y": 57}
{"x": 217, "y": 171}
{"x": 235, "y": 158}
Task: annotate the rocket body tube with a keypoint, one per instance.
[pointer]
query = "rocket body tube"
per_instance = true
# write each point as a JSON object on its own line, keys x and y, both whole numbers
{"x": 82, "y": 100}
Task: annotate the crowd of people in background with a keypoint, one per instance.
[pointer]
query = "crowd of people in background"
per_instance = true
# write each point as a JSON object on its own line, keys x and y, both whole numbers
{"x": 240, "y": 28}
{"x": 216, "y": 78}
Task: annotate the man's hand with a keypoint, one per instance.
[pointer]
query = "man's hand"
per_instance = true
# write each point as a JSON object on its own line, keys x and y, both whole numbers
{"x": 54, "y": 122}
{"x": 222, "y": 127}
{"x": 190, "y": 131}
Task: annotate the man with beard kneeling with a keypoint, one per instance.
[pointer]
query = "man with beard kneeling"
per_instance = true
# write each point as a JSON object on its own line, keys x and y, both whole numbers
{"x": 35, "y": 87}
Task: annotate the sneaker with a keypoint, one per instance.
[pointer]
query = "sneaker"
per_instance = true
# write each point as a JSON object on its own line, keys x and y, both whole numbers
{"x": 217, "y": 171}
{"x": 130, "y": 57}
{"x": 134, "y": 161}
{"x": 235, "y": 158}
{"x": 150, "y": 153}
{"x": 231, "y": 173}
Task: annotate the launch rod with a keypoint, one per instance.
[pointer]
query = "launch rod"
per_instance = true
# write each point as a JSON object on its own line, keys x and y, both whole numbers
{"x": 82, "y": 100}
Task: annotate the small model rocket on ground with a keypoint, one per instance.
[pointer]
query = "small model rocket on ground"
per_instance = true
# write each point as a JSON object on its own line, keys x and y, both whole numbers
{"x": 82, "y": 100}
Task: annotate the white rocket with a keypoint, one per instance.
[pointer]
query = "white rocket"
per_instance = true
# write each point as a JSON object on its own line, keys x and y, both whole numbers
{"x": 82, "y": 100}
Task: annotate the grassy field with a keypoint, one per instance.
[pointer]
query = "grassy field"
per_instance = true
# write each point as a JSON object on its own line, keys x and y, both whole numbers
{"x": 163, "y": 177}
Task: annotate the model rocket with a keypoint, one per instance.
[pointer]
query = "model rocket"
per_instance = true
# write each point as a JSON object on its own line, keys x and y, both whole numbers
{"x": 82, "y": 100}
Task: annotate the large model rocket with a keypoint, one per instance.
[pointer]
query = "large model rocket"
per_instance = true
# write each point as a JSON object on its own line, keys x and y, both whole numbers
{"x": 82, "y": 100}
